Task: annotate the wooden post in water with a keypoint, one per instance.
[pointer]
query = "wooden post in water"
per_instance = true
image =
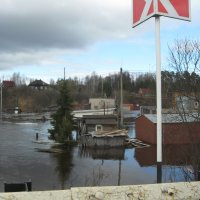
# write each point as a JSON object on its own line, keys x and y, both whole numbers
{"x": 119, "y": 174}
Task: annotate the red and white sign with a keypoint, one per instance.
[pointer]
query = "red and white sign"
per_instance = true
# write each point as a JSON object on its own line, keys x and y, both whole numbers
{"x": 144, "y": 9}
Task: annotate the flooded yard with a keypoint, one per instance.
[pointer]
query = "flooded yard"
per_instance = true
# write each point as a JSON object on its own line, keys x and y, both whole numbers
{"x": 21, "y": 161}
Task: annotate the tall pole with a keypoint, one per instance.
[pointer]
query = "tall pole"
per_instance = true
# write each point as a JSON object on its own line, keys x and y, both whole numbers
{"x": 158, "y": 89}
{"x": 102, "y": 87}
{"x": 1, "y": 100}
{"x": 64, "y": 73}
{"x": 121, "y": 97}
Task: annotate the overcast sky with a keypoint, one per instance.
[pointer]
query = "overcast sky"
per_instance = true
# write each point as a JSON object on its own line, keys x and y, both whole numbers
{"x": 39, "y": 38}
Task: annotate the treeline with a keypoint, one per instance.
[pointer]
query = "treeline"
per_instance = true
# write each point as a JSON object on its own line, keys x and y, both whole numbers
{"x": 96, "y": 86}
{"x": 109, "y": 86}
{"x": 27, "y": 99}
{"x": 182, "y": 82}
{"x": 92, "y": 86}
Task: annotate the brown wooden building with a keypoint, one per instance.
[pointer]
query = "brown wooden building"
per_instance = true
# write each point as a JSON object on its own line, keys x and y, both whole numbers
{"x": 8, "y": 84}
{"x": 108, "y": 122}
{"x": 174, "y": 130}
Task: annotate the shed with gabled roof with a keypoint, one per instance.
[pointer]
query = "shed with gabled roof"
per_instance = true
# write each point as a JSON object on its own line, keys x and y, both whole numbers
{"x": 108, "y": 122}
{"x": 176, "y": 129}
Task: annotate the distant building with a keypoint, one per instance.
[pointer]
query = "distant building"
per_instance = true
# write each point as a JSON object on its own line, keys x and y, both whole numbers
{"x": 147, "y": 110}
{"x": 101, "y": 103}
{"x": 174, "y": 129}
{"x": 39, "y": 85}
{"x": 8, "y": 84}
{"x": 186, "y": 104}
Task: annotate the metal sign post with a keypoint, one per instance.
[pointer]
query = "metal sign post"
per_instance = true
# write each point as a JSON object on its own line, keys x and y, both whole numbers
{"x": 158, "y": 100}
{"x": 143, "y": 10}
{"x": 158, "y": 90}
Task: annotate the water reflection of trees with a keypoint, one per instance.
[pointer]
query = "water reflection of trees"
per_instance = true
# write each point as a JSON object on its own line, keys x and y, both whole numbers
{"x": 64, "y": 164}
{"x": 96, "y": 177}
{"x": 180, "y": 162}
{"x": 98, "y": 174}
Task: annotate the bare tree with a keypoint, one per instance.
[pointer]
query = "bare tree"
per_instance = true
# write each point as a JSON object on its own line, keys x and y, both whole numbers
{"x": 18, "y": 79}
{"x": 185, "y": 56}
{"x": 184, "y": 59}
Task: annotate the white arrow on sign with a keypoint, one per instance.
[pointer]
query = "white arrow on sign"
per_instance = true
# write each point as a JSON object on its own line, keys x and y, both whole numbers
{"x": 169, "y": 7}
{"x": 146, "y": 9}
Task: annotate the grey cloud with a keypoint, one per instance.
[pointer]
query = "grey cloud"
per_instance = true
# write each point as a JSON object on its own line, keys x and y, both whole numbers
{"x": 37, "y": 58}
{"x": 32, "y": 31}
{"x": 38, "y": 25}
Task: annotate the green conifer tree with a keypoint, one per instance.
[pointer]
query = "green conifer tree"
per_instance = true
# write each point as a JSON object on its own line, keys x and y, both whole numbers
{"x": 62, "y": 122}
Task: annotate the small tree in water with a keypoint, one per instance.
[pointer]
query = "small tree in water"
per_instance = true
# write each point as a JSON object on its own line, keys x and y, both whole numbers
{"x": 63, "y": 119}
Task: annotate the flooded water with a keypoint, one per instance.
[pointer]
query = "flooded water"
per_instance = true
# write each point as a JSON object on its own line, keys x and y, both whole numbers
{"x": 21, "y": 161}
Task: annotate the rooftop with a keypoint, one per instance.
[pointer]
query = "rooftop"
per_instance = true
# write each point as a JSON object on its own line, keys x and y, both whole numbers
{"x": 37, "y": 83}
{"x": 174, "y": 118}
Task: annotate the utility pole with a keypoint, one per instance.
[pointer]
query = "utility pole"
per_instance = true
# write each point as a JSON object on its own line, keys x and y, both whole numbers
{"x": 102, "y": 88}
{"x": 64, "y": 73}
{"x": 121, "y": 98}
{"x": 1, "y": 100}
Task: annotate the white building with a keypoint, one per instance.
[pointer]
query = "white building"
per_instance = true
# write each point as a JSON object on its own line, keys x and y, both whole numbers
{"x": 101, "y": 103}
{"x": 186, "y": 103}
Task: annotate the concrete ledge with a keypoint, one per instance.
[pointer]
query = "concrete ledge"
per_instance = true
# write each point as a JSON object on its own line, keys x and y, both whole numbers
{"x": 41, "y": 195}
{"x": 166, "y": 191}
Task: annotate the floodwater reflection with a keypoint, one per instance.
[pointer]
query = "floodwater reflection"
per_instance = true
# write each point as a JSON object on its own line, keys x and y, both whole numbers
{"x": 64, "y": 164}
{"x": 104, "y": 154}
{"x": 180, "y": 162}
